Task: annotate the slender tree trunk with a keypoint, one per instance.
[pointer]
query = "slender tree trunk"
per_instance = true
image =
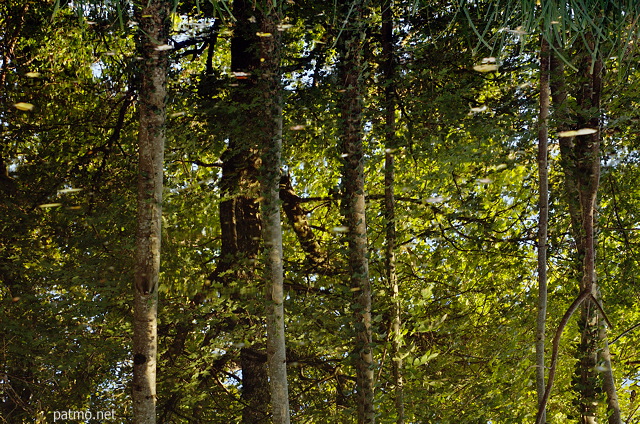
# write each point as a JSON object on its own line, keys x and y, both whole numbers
{"x": 154, "y": 30}
{"x": 608, "y": 380}
{"x": 543, "y": 220}
{"x": 389, "y": 205}
{"x": 353, "y": 202}
{"x": 271, "y": 141}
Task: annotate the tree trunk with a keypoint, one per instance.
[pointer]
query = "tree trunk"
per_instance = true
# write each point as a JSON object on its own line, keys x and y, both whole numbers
{"x": 271, "y": 140}
{"x": 389, "y": 205}
{"x": 240, "y": 221}
{"x": 580, "y": 160}
{"x": 353, "y": 202}
{"x": 608, "y": 380}
{"x": 154, "y": 31}
{"x": 543, "y": 208}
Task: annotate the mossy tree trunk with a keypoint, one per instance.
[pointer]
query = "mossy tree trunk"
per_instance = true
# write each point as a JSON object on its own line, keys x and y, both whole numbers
{"x": 390, "y": 204}
{"x": 351, "y": 70}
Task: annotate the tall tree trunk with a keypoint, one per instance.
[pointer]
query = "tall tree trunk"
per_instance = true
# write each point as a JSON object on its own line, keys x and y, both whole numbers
{"x": 389, "y": 204}
{"x": 271, "y": 140}
{"x": 353, "y": 202}
{"x": 240, "y": 222}
{"x": 543, "y": 219}
{"x": 580, "y": 159}
{"x": 154, "y": 30}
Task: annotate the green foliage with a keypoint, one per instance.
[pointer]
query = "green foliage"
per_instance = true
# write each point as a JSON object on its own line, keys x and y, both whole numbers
{"x": 466, "y": 216}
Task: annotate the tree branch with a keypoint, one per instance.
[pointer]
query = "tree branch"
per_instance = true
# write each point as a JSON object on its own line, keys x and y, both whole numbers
{"x": 584, "y": 295}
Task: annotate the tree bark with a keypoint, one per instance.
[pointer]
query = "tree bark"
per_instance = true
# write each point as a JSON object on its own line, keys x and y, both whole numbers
{"x": 608, "y": 380}
{"x": 154, "y": 30}
{"x": 543, "y": 219}
{"x": 389, "y": 205}
{"x": 353, "y": 202}
{"x": 580, "y": 160}
{"x": 240, "y": 218}
{"x": 271, "y": 140}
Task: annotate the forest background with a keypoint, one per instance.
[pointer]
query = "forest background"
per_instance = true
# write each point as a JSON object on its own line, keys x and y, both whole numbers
{"x": 429, "y": 313}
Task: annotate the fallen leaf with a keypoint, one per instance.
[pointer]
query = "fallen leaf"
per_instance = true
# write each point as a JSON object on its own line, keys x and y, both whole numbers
{"x": 575, "y": 133}
{"x": 341, "y": 229}
{"x": 69, "y": 190}
{"x": 486, "y": 67}
{"x": 437, "y": 199}
{"x": 23, "y": 106}
{"x": 479, "y": 109}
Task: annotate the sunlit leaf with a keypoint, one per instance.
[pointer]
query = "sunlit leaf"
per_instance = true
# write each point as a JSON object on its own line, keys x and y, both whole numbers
{"x": 69, "y": 190}
{"x": 575, "y": 133}
{"x": 340, "y": 229}
{"x": 32, "y": 74}
{"x": 264, "y": 34}
{"x": 436, "y": 199}
{"x": 487, "y": 67}
{"x": 23, "y": 106}
{"x": 479, "y": 109}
